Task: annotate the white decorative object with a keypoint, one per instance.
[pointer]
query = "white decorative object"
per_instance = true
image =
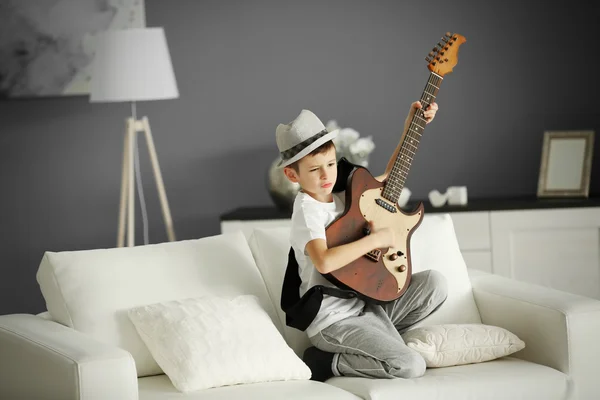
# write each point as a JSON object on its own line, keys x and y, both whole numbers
{"x": 404, "y": 197}
{"x": 134, "y": 65}
{"x": 454, "y": 195}
{"x": 437, "y": 199}
{"x": 457, "y": 195}
{"x": 211, "y": 341}
{"x": 458, "y": 344}
{"x": 350, "y": 145}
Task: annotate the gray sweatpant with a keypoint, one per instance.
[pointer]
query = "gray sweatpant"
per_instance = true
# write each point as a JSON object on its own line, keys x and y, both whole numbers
{"x": 370, "y": 345}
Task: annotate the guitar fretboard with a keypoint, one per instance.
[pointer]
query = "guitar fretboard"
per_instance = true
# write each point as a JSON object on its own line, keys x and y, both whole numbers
{"x": 397, "y": 177}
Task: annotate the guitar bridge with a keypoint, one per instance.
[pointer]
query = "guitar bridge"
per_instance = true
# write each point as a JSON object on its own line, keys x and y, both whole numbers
{"x": 374, "y": 255}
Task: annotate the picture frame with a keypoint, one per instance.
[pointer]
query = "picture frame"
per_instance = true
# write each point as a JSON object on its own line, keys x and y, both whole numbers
{"x": 566, "y": 163}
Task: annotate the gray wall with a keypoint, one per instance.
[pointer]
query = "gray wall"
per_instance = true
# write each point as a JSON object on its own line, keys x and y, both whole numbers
{"x": 245, "y": 66}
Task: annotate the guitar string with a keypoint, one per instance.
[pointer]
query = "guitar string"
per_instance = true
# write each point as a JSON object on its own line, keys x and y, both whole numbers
{"x": 403, "y": 161}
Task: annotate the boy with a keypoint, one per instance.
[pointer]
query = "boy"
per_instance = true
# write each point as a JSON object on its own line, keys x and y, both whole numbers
{"x": 350, "y": 337}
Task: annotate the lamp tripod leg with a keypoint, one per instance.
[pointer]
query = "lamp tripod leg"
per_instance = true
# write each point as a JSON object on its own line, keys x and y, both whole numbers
{"x": 124, "y": 188}
{"x": 126, "y": 205}
{"x": 159, "y": 181}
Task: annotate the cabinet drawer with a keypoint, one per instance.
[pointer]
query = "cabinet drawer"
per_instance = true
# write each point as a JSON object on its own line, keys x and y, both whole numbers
{"x": 479, "y": 260}
{"x": 472, "y": 229}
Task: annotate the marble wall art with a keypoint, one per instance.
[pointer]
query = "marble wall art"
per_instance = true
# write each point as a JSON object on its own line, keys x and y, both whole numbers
{"x": 47, "y": 46}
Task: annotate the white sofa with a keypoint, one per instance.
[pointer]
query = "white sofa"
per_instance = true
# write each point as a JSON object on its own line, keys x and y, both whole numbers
{"x": 85, "y": 347}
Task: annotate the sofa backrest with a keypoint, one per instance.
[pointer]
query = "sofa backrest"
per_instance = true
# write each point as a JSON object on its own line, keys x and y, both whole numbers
{"x": 433, "y": 246}
{"x": 91, "y": 290}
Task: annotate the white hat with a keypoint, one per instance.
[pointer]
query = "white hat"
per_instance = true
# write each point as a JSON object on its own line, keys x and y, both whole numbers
{"x": 301, "y": 136}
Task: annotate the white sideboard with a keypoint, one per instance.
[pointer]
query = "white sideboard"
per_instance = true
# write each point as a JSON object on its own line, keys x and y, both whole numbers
{"x": 533, "y": 241}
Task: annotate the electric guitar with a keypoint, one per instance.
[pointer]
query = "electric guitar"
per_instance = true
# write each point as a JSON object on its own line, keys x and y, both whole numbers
{"x": 383, "y": 275}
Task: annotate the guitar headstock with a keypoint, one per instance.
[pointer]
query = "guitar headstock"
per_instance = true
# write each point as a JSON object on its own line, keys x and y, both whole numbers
{"x": 444, "y": 56}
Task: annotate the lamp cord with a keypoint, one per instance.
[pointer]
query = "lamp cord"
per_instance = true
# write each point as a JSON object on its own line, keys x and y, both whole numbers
{"x": 138, "y": 178}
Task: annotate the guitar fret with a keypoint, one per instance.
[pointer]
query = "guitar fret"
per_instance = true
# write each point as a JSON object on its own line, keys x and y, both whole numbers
{"x": 422, "y": 119}
{"x": 415, "y": 131}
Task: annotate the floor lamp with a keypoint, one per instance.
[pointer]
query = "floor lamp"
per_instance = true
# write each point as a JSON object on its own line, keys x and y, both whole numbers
{"x": 129, "y": 66}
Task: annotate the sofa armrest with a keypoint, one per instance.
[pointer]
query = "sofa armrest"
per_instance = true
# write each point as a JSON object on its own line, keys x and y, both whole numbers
{"x": 560, "y": 330}
{"x": 42, "y": 359}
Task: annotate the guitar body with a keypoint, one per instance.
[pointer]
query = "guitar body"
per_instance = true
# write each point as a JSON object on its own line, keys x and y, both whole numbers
{"x": 378, "y": 278}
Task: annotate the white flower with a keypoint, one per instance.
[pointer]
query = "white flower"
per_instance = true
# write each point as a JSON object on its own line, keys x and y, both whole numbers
{"x": 362, "y": 146}
{"x": 345, "y": 138}
{"x": 332, "y": 125}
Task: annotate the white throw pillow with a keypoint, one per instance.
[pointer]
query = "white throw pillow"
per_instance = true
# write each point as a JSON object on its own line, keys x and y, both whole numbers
{"x": 457, "y": 344}
{"x": 213, "y": 341}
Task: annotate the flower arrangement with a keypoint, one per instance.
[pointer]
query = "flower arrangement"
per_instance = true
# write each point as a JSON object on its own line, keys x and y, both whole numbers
{"x": 350, "y": 145}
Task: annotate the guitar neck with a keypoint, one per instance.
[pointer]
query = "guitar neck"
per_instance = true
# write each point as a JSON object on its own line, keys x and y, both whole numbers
{"x": 410, "y": 143}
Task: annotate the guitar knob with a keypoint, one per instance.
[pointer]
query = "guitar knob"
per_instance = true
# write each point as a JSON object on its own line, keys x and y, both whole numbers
{"x": 367, "y": 231}
{"x": 402, "y": 268}
{"x": 393, "y": 256}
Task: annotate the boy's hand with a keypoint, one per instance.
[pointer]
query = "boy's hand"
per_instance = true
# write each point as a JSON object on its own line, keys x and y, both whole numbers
{"x": 385, "y": 235}
{"x": 429, "y": 113}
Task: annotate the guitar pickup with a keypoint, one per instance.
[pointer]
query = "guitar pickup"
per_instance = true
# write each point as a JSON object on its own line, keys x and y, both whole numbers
{"x": 374, "y": 255}
{"x": 386, "y": 205}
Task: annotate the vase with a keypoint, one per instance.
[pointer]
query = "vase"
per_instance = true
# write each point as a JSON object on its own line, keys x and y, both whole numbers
{"x": 282, "y": 191}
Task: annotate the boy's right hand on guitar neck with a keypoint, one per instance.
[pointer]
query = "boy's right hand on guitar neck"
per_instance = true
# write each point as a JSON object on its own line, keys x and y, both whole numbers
{"x": 385, "y": 236}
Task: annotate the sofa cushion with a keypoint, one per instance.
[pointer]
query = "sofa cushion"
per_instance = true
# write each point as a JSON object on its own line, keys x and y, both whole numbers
{"x": 506, "y": 378}
{"x": 212, "y": 341}
{"x": 457, "y": 344}
{"x": 91, "y": 290}
{"x": 270, "y": 248}
{"x": 433, "y": 246}
{"x": 160, "y": 388}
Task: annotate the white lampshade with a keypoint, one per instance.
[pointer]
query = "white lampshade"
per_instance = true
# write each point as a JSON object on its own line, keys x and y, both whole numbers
{"x": 132, "y": 65}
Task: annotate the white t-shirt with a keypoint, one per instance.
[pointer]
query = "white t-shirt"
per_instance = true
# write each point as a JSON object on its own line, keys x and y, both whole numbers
{"x": 310, "y": 217}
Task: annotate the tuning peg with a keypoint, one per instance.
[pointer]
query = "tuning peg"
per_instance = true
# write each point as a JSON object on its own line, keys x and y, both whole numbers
{"x": 448, "y": 34}
{"x": 431, "y": 54}
{"x": 440, "y": 45}
{"x": 435, "y": 49}
{"x": 428, "y": 59}
{"x": 445, "y": 40}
